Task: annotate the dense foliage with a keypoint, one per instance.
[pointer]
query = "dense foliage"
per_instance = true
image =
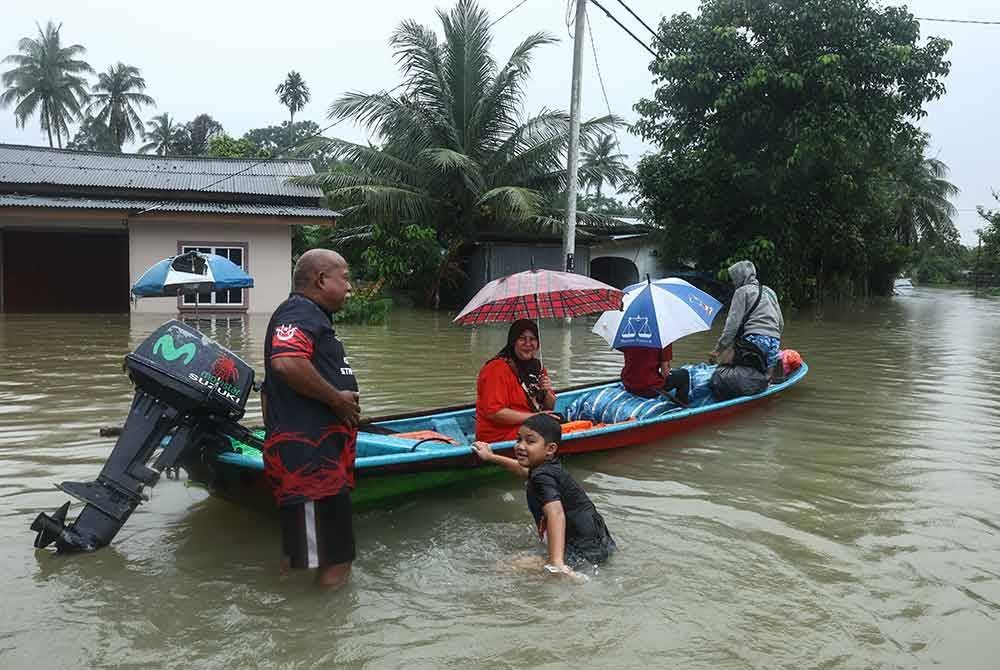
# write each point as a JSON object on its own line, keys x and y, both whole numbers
{"x": 988, "y": 253}
{"x": 454, "y": 150}
{"x": 786, "y": 134}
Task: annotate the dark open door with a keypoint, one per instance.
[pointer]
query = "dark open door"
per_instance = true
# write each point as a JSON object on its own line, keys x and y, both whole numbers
{"x": 65, "y": 272}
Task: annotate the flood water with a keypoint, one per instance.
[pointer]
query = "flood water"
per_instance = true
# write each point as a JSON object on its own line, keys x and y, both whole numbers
{"x": 852, "y": 523}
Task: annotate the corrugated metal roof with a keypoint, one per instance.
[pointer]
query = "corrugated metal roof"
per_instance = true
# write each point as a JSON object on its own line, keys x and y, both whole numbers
{"x": 161, "y": 206}
{"x": 62, "y": 167}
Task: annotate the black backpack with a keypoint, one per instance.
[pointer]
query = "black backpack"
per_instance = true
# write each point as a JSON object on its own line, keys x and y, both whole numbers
{"x": 745, "y": 352}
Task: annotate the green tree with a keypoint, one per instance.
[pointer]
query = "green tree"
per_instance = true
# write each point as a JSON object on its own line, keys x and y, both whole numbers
{"x": 226, "y": 146}
{"x": 988, "y": 251}
{"x": 293, "y": 94}
{"x": 198, "y": 132}
{"x": 780, "y": 122}
{"x": 46, "y": 78}
{"x": 922, "y": 194}
{"x": 455, "y": 150}
{"x": 163, "y": 136}
{"x": 602, "y": 204}
{"x": 93, "y": 136}
{"x": 599, "y": 164}
{"x": 116, "y": 99}
{"x": 273, "y": 139}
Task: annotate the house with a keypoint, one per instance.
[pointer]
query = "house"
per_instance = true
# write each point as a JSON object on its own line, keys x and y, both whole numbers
{"x": 78, "y": 228}
{"x": 618, "y": 255}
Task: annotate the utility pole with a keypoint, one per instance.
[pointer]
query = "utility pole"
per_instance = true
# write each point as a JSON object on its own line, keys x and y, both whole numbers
{"x": 572, "y": 162}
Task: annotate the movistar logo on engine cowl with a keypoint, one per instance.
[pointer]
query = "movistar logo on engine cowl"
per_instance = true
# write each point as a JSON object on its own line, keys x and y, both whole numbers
{"x": 169, "y": 351}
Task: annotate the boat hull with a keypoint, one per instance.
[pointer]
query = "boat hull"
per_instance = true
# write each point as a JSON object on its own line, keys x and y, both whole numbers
{"x": 392, "y": 476}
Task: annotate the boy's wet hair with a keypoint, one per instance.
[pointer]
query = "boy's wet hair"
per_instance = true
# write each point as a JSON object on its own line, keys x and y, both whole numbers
{"x": 546, "y": 426}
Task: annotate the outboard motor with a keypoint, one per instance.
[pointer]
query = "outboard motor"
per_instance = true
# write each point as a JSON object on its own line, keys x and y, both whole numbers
{"x": 190, "y": 392}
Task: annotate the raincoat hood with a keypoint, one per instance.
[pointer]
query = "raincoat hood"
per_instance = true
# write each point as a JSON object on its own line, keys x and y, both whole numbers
{"x": 743, "y": 273}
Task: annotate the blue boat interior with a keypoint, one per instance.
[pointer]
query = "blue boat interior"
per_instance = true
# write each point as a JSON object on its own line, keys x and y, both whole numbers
{"x": 449, "y": 433}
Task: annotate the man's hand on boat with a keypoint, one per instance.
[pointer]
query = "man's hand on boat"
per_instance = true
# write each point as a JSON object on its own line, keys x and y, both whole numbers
{"x": 345, "y": 404}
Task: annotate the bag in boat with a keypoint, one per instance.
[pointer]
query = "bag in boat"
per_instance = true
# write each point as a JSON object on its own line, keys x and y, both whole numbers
{"x": 745, "y": 352}
{"x": 735, "y": 381}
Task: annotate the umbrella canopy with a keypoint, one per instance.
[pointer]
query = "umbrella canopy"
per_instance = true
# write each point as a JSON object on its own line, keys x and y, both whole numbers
{"x": 193, "y": 272}
{"x": 658, "y": 313}
{"x": 539, "y": 294}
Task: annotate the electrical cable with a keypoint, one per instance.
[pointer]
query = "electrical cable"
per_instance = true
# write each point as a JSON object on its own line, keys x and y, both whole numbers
{"x": 600, "y": 79}
{"x": 262, "y": 161}
{"x": 507, "y": 13}
{"x": 644, "y": 24}
{"x": 981, "y": 23}
{"x": 622, "y": 26}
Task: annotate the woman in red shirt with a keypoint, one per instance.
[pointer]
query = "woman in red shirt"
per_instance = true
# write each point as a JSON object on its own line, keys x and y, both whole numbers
{"x": 512, "y": 386}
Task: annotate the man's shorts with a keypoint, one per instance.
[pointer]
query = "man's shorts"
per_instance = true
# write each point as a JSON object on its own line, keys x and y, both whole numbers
{"x": 318, "y": 533}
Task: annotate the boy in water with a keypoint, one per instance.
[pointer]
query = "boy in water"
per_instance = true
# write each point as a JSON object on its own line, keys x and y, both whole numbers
{"x": 566, "y": 518}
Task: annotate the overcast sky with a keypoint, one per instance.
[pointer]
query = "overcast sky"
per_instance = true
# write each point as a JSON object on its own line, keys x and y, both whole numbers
{"x": 225, "y": 58}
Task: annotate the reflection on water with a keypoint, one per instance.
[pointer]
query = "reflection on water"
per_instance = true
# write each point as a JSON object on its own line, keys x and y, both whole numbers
{"x": 852, "y": 523}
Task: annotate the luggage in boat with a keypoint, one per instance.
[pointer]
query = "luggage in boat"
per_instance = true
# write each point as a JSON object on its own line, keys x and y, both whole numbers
{"x": 734, "y": 381}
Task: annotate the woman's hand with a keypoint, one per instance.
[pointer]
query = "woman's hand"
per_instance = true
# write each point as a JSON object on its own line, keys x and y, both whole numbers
{"x": 483, "y": 451}
{"x": 545, "y": 383}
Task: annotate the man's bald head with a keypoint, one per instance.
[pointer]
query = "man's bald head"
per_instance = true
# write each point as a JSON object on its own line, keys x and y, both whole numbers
{"x": 313, "y": 262}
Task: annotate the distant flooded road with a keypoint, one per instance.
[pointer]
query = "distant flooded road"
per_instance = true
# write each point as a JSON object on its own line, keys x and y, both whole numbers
{"x": 852, "y": 523}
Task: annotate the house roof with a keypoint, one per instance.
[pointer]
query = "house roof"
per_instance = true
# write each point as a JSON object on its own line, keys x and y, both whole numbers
{"x": 25, "y": 165}
{"x": 55, "y": 202}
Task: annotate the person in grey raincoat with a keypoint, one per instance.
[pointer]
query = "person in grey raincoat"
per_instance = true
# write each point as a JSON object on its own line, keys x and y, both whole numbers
{"x": 765, "y": 324}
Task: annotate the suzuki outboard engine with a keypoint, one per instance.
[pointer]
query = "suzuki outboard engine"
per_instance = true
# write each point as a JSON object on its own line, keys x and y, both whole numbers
{"x": 189, "y": 392}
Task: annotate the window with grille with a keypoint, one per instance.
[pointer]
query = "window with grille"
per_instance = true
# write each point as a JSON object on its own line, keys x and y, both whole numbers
{"x": 229, "y": 298}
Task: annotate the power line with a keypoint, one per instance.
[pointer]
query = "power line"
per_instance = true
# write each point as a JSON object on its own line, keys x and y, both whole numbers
{"x": 622, "y": 26}
{"x": 262, "y": 161}
{"x": 508, "y": 13}
{"x": 981, "y": 23}
{"x": 644, "y": 24}
{"x": 604, "y": 92}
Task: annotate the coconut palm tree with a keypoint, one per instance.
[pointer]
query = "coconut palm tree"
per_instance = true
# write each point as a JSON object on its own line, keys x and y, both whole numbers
{"x": 599, "y": 164}
{"x": 455, "y": 151}
{"x": 293, "y": 94}
{"x": 163, "y": 136}
{"x": 924, "y": 211}
{"x": 117, "y": 95}
{"x": 46, "y": 78}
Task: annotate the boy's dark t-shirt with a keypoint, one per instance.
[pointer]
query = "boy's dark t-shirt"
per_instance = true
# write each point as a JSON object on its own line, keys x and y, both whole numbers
{"x": 308, "y": 453}
{"x": 587, "y": 537}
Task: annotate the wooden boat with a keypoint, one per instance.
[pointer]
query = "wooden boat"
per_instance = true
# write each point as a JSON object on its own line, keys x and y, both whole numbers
{"x": 402, "y": 454}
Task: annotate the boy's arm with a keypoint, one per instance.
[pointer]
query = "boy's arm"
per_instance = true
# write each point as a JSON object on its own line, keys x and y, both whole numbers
{"x": 555, "y": 529}
{"x": 486, "y": 454}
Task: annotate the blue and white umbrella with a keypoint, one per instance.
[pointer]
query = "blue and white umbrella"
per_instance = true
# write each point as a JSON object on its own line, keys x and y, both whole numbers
{"x": 657, "y": 313}
{"x": 193, "y": 272}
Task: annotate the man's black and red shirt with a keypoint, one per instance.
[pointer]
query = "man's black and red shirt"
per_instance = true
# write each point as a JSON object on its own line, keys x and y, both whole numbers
{"x": 308, "y": 452}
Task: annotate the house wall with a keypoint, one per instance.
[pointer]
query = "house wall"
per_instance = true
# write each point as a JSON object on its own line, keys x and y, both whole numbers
{"x": 497, "y": 259}
{"x": 637, "y": 250}
{"x": 268, "y": 260}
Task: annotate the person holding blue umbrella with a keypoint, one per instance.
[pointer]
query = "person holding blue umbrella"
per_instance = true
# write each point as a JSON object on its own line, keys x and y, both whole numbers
{"x": 654, "y": 315}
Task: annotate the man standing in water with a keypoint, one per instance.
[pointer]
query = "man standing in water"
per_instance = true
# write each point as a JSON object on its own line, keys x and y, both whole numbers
{"x": 311, "y": 413}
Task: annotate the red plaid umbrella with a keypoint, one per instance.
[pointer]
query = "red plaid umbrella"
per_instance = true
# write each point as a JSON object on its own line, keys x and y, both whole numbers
{"x": 539, "y": 294}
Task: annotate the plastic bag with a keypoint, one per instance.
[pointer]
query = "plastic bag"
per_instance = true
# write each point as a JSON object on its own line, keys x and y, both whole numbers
{"x": 737, "y": 381}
